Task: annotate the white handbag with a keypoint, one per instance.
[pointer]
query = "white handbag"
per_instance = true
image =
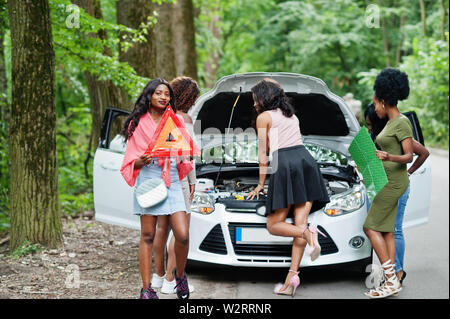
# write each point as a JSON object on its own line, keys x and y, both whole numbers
{"x": 151, "y": 192}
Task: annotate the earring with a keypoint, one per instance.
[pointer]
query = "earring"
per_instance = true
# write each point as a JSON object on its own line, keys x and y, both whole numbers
{"x": 382, "y": 105}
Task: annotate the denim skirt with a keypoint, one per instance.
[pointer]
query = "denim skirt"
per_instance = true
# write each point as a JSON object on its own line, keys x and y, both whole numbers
{"x": 175, "y": 198}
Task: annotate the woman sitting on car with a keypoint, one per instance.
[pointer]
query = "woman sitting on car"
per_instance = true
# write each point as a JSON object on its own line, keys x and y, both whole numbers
{"x": 295, "y": 181}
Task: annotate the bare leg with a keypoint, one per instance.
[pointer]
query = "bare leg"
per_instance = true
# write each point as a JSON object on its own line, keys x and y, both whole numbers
{"x": 389, "y": 238}
{"x": 301, "y": 212}
{"x": 178, "y": 222}
{"x": 379, "y": 244}
{"x": 276, "y": 225}
{"x": 148, "y": 228}
{"x": 384, "y": 246}
{"x": 159, "y": 244}
{"x": 171, "y": 261}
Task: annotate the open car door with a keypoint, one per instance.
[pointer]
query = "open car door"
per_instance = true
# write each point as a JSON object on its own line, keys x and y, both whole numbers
{"x": 113, "y": 197}
{"x": 418, "y": 204}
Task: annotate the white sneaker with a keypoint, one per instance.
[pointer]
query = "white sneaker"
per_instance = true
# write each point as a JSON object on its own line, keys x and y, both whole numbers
{"x": 168, "y": 287}
{"x": 157, "y": 281}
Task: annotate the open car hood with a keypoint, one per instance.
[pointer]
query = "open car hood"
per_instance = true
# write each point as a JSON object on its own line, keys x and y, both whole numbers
{"x": 325, "y": 119}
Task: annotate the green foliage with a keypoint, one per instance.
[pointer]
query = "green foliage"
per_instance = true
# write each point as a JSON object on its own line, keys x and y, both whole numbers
{"x": 319, "y": 38}
{"x": 427, "y": 68}
{"x": 75, "y": 185}
{"x": 4, "y": 21}
{"x": 323, "y": 38}
{"x": 236, "y": 22}
{"x": 77, "y": 51}
{"x": 5, "y": 222}
{"x": 26, "y": 248}
{"x": 98, "y": 55}
{"x": 366, "y": 79}
{"x": 332, "y": 41}
{"x": 4, "y": 154}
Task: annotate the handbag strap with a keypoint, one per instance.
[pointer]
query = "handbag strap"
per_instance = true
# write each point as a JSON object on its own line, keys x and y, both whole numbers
{"x": 166, "y": 161}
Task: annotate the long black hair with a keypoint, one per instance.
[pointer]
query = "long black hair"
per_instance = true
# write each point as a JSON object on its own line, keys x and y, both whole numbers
{"x": 143, "y": 105}
{"x": 377, "y": 123}
{"x": 270, "y": 96}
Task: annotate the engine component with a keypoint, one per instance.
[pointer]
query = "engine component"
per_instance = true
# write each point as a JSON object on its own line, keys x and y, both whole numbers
{"x": 204, "y": 185}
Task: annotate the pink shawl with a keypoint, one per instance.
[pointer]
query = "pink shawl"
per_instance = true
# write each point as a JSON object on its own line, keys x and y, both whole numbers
{"x": 137, "y": 145}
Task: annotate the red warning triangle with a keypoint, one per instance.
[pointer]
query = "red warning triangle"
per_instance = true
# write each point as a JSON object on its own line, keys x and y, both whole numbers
{"x": 171, "y": 138}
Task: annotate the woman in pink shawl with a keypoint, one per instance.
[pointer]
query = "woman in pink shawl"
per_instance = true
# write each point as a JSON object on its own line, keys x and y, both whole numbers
{"x": 139, "y": 129}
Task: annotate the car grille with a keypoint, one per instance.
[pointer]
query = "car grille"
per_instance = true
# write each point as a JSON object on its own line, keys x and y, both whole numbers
{"x": 327, "y": 244}
{"x": 214, "y": 242}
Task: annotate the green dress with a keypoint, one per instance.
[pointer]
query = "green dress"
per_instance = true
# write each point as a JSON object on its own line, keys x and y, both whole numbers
{"x": 383, "y": 211}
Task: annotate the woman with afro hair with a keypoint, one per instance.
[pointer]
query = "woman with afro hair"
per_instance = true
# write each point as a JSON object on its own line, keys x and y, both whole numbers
{"x": 395, "y": 141}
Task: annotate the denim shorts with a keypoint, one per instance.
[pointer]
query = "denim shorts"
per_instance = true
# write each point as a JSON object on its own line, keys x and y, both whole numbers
{"x": 175, "y": 198}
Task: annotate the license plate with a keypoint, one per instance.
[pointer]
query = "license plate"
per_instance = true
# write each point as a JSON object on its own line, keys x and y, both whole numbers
{"x": 248, "y": 235}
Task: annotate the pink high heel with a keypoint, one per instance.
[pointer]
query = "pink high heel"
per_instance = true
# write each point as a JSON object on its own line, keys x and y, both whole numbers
{"x": 314, "y": 251}
{"x": 294, "y": 282}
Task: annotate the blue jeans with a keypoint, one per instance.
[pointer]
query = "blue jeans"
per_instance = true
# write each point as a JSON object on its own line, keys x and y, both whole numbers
{"x": 398, "y": 231}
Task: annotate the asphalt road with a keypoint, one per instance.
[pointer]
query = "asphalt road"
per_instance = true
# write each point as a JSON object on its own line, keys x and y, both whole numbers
{"x": 426, "y": 262}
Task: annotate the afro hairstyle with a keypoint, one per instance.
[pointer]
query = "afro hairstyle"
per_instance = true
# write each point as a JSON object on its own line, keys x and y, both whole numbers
{"x": 391, "y": 85}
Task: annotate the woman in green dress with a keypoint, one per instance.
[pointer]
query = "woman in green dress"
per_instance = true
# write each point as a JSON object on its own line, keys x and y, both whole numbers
{"x": 395, "y": 140}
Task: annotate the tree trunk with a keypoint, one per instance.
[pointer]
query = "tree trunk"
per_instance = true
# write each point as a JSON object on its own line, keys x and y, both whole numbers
{"x": 386, "y": 43}
{"x": 141, "y": 56}
{"x": 212, "y": 64}
{"x": 34, "y": 172}
{"x": 398, "y": 53}
{"x": 165, "y": 55}
{"x": 423, "y": 16}
{"x": 4, "y": 112}
{"x": 184, "y": 39}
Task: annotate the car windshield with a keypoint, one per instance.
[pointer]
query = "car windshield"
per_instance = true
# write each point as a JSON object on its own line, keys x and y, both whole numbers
{"x": 247, "y": 152}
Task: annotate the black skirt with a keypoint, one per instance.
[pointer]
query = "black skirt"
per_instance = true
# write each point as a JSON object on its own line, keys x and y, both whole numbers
{"x": 295, "y": 179}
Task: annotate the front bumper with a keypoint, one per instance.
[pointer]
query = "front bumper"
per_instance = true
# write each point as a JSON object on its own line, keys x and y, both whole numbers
{"x": 213, "y": 240}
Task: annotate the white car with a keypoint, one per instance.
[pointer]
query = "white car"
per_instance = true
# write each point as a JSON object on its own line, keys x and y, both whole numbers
{"x": 229, "y": 230}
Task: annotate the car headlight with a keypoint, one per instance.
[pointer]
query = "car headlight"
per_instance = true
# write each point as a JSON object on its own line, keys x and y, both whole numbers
{"x": 202, "y": 203}
{"x": 346, "y": 202}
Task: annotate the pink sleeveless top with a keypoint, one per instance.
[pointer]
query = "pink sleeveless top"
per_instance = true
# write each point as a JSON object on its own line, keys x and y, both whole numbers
{"x": 285, "y": 131}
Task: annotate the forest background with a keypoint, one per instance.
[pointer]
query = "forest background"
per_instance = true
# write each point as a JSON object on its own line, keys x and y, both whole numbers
{"x": 106, "y": 51}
